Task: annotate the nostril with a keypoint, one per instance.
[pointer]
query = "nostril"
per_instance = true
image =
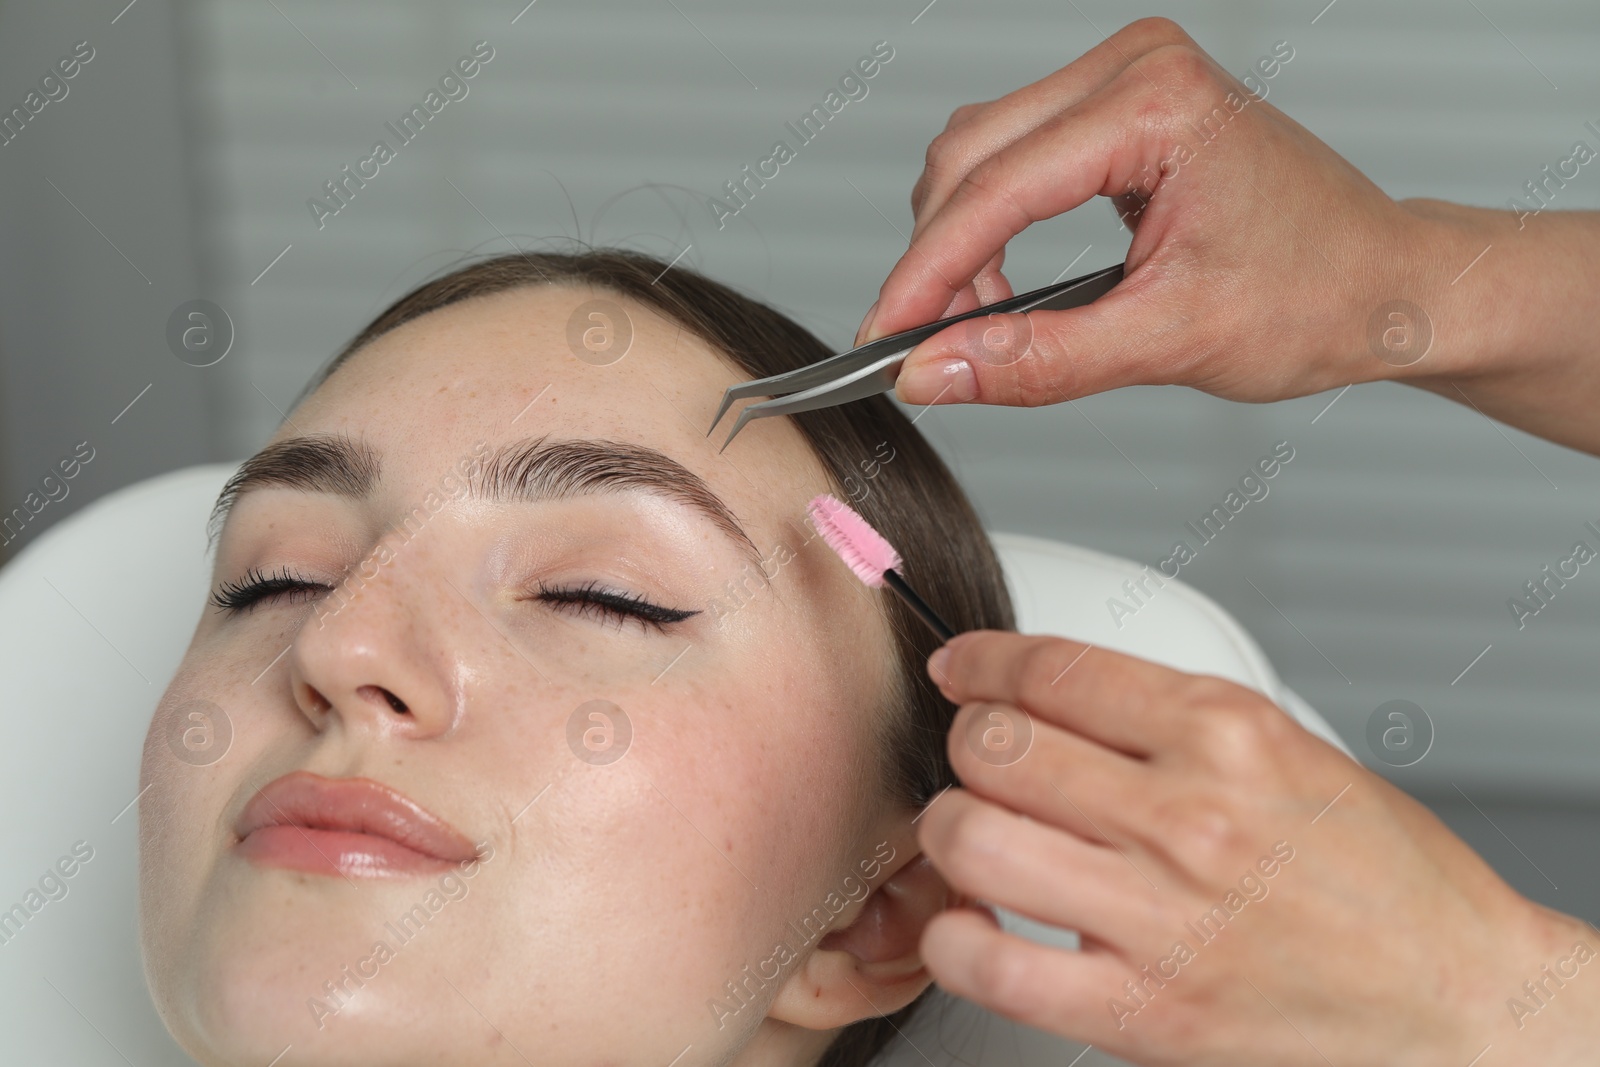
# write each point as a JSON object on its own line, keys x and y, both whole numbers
{"x": 394, "y": 702}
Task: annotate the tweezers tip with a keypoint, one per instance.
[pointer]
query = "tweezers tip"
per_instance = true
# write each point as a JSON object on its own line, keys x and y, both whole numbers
{"x": 739, "y": 424}
{"x": 722, "y": 409}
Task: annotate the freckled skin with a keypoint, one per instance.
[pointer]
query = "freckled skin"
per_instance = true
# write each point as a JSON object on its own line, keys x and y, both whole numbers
{"x": 605, "y": 919}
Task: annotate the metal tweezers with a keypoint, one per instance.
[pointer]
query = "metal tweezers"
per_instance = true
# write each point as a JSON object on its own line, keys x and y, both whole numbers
{"x": 873, "y": 367}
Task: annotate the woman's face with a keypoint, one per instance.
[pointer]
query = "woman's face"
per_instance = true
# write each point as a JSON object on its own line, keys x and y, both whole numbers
{"x": 655, "y": 734}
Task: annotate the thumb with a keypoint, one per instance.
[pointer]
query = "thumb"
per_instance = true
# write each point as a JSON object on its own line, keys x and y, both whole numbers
{"x": 1027, "y": 359}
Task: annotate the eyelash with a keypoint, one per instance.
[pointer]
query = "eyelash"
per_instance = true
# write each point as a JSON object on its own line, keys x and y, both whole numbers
{"x": 592, "y": 598}
{"x": 588, "y": 598}
{"x": 254, "y": 587}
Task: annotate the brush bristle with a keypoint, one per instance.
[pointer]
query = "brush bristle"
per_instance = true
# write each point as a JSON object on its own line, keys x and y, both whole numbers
{"x": 862, "y": 548}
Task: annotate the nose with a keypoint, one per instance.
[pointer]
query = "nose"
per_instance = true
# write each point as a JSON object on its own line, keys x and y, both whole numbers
{"x": 371, "y": 659}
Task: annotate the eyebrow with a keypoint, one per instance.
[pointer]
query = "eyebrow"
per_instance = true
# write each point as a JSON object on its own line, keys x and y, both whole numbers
{"x": 530, "y": 470}
{"x": 316, "y": 463}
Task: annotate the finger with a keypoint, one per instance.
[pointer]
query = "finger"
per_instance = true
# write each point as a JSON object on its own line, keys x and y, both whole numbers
{"x": 961, "y": 116}
{"x": 1136, "y": 334}
{"x": 972, "y": 136}
{"x": 1060, "y": 778}
{"x": 1129, "y": 208}
{"x": 1115, "y": 699}
{"x": 1095, "y": 147}
{"x": 986, "y": 287}
{"x": 1040, "y": 871}
{"x": 1047, "y": 988}
{"x": 990, "y": 283}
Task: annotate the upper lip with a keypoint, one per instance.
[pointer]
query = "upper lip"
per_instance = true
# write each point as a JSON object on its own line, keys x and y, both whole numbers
{"x": 358, "y": 805}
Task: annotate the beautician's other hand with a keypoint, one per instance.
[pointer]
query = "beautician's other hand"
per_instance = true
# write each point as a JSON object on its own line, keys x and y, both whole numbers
{"x": 1325, "y": 916}
{"x": 1261, "y": 262}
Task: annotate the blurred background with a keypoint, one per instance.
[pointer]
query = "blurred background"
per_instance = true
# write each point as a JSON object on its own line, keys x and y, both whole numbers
{"x": 180, "y": 164}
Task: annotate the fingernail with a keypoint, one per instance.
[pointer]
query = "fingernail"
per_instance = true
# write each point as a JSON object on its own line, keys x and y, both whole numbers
{"x": 939, "y": 381}
{"x": 937, "y": 663}
{"x": 864, "y": 334}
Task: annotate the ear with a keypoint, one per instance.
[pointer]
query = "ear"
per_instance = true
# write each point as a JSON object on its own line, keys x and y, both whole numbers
{"x": 869, "y": 964}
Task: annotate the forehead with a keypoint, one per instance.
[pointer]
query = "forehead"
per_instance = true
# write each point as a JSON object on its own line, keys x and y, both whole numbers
{"x": 517, "y": 364}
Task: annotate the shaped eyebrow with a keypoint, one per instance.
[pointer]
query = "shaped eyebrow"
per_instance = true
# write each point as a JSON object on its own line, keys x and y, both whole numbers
{"x": 529, "y": 470}
{"x": 315, "y": 463}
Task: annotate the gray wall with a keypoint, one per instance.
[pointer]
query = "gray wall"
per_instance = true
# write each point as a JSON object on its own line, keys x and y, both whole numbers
{"x": 98, "y": 239}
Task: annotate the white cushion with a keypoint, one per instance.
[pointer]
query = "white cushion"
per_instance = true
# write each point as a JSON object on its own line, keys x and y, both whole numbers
{"x": 94, "y": 618}
{"x": 1063, "y": 589}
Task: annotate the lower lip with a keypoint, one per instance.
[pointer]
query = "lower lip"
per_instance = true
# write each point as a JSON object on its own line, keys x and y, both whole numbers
{"x": 337, "y": 852}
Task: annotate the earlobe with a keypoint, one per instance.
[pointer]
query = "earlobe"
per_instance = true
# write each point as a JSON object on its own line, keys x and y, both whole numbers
{"x": 871, "y": 966}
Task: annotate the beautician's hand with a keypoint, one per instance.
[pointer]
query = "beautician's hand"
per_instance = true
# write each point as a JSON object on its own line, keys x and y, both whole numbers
{"x": 1261, "y": 263}
{"x": 1323, "y": 916}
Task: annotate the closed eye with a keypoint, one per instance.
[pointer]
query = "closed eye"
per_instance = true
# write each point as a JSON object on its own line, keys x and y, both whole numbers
{"x": 591, "y": 598}
{"x": 255, "y": 587}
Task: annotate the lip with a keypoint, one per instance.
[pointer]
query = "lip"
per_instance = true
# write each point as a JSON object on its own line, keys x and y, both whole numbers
{"x": 346, "y": 826}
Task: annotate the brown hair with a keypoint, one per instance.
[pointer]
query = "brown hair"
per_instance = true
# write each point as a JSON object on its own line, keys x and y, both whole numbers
{"x": 912, "y": 498}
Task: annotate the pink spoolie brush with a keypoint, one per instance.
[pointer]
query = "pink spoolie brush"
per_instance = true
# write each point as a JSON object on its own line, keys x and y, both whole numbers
{"x": 872, "y": 558}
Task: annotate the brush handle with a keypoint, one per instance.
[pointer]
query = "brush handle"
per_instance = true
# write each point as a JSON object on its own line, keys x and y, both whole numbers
{"x": 893, "y": 580}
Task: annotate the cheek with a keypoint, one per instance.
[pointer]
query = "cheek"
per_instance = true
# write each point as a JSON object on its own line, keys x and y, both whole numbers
{"x": 683, "y": 858}
{"x": 723, "y": 788}
{"x": 203, "y": 738}
{"x": 172, "y": 847}
{"x": 771, "y": 764}
{"x": 713, "y": 830}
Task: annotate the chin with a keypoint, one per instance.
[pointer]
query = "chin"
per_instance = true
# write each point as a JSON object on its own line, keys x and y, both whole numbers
{"x": 239, "y": 988}
{"x": 247, "y": 1007}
